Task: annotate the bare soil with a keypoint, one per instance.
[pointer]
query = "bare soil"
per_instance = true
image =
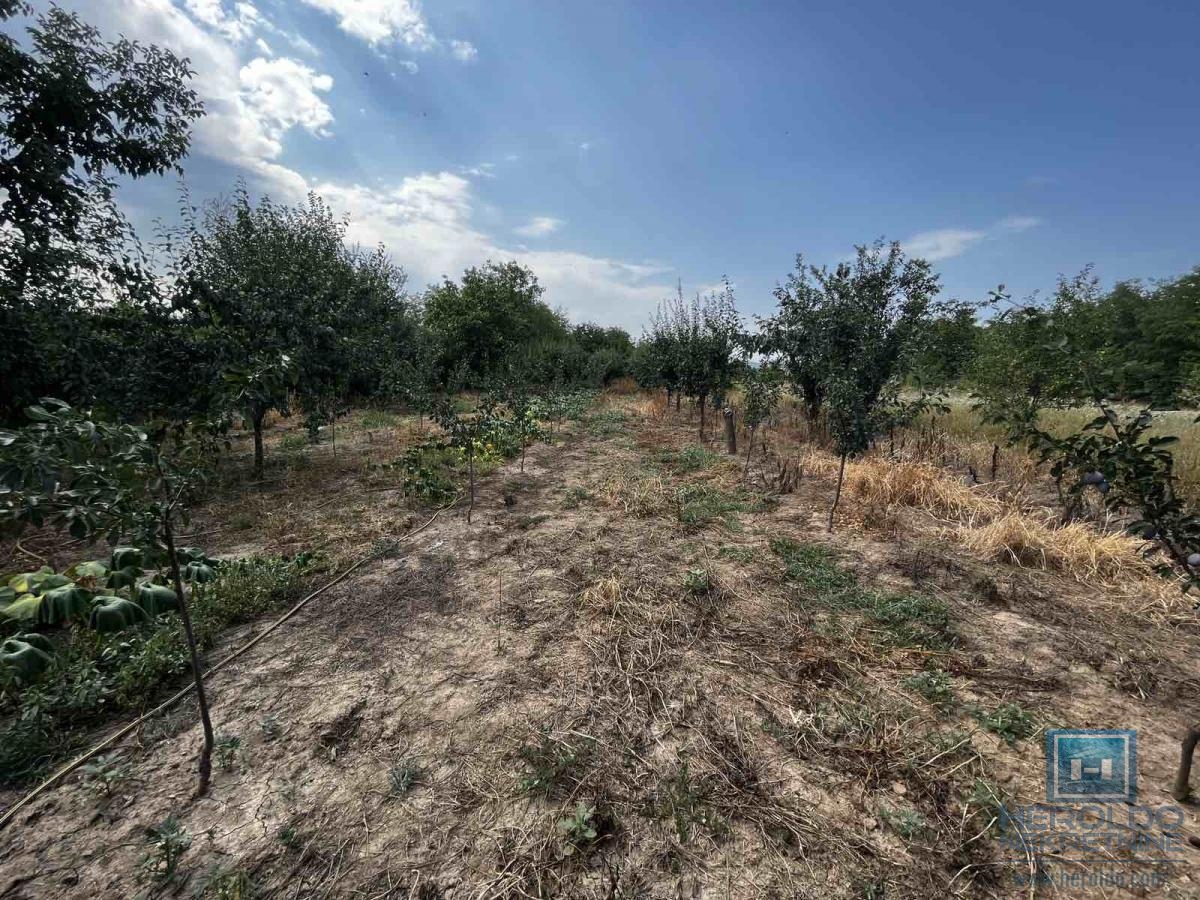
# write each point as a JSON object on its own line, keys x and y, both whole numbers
{"x": 739, "y": 740}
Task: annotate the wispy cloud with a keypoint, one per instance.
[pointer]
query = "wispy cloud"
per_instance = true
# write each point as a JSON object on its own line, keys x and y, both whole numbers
{"x": 1018, "y": 223}
{"x": 944, "y": 243}
{"x": 383, "y": 22}
{"x": 540, "y": 226}
{"x": 947, "y": 243}
{"x": 463, "y": 51}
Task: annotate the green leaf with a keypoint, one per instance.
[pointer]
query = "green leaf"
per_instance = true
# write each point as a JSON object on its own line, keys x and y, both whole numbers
{"x": 62, "y": 604}
{"x": 198, "y": 573}
{"x": 156, "y": 598}
{"x": 115, "y": 613}
{"x": 127, "y": 557}
{"x": 25, "y": 655}
{"x": 93, "y": 569}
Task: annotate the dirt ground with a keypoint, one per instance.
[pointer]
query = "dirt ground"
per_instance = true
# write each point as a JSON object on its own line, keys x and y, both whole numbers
{"x": 592, "y": 639}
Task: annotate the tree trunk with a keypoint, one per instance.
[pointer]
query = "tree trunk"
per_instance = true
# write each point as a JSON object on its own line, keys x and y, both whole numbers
{"x": 749, "y": 447}
{"x": 837, "y": 494}
{"x": 730, "y": 432}
{"x": 471, "y": 470}
{"x": 522, "y": 456}
{"x": 1182, "y": 788}
{"x": 703, "y": 398}
{"x": 258, "y": 444}
{"x": 677, "y": 397}
{"x": 995, "y": 460}
{"x": 202, "y": 700}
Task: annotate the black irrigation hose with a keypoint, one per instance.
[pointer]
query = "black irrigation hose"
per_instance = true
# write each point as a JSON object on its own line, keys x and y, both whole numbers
{"x": 11, "y": 812}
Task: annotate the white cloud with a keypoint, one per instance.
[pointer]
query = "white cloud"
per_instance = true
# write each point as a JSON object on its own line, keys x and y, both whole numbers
{"x": 248, "y": 107}
{"x": 941, "y": 244}
{"x": 1019, "y": 223}
{"x": 263, "y": 47}
{"x": 409, "y": 66}
{"x": 947, "y": 243}
{"x": 380, "y": 22}
{"x": 425, "y": 223}
{"x": 463, "y": 51}
{"x": 283, "y": 93}
{"x": 483, "y": 170}
{"x": 585, "y": 146}
{"x": 376, "y": 21}
{"x": 236, "y": 24}
{"x": 425, "y": 220}
{"x": 539, "y": 226}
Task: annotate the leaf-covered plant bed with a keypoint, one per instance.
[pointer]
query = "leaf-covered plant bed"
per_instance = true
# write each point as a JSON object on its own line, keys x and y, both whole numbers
{"x": 120, "y": 647}
{"x": 127, "y": 588}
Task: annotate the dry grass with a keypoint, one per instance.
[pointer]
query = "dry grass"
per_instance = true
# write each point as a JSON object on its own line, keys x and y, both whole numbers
{"x": 963, "y": 426}
{"x": 1076, "y": 549}
{"x": 880, "y": 483}
{"x": 636, "y": 492}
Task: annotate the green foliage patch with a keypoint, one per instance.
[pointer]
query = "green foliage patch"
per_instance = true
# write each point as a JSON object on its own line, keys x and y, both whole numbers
{"x": 903, "y": 620}
{"x": 91, "y": 675}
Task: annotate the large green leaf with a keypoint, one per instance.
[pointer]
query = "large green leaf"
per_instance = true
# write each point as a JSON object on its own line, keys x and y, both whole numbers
{"x": 127, "y": 558}
{"x": 123, "y": 578}
{"x": 115, "y": 614}
{"x": 156, "y": 598}
{"x": 26, "y": 655}
{"x": 61, "y": 604}
{"x": 199, "y": 572}
{"x": 55, "y": 606}
{"x": 93, "y": 569}
{"x": 24, "y": 608}
{"x": 37, "y": 582}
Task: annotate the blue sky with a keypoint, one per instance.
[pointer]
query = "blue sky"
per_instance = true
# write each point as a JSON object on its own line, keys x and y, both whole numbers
{"x": 618, "y": 146}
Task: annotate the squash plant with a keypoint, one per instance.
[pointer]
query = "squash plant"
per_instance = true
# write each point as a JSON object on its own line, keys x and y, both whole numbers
{"x": 73, "y": 469}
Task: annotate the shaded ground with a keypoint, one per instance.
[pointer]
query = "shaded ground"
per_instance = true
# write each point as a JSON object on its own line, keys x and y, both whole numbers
{"x": 744, "y": 705}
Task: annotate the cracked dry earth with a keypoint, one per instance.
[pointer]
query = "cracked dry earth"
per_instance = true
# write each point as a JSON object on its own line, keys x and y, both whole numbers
{"x": 586, "y": 640}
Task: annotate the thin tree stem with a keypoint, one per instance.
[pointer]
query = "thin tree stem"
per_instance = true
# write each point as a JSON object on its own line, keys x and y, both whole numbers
{"x": 197, "y": 674}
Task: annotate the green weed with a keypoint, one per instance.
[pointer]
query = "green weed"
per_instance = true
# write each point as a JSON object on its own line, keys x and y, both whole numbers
{"x": 226, "y": 750}
{"x": 104, "y": 773}
{"x": 168, "y": 842}
{"x": 908, "y": 823}
{"x": 605, "y": 423}
{"x": 1010, "y": 721}
{"x": 575, "y": 497}
{"x": 698, "y": 505}
{"x": 403, "y": 778}
{"x": 738, "y": 554}
{"x": 905, "y": 620}
{"x": 578, "y": 829}
{"x": 935, "y": 686}
{"x": 225, "y": 883}
{"x": 549, "y": 763}
{"x": 687, "y": 805}
{"x": 689, "y": 459}
{"x": 696, "y": 581}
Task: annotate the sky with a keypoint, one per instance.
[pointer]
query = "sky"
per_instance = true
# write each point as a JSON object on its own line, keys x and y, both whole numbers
{"x": 618, "y": 147}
